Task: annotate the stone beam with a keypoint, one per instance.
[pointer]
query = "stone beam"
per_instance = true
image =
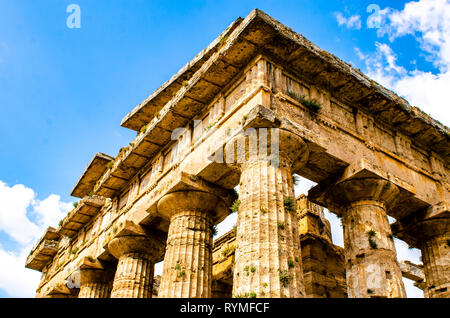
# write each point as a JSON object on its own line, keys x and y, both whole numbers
{"x": 412, "y": 271}
{"x": 94, "y": 170}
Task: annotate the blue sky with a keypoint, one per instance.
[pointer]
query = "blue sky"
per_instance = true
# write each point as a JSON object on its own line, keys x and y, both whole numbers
{"x": 63, "y": 92}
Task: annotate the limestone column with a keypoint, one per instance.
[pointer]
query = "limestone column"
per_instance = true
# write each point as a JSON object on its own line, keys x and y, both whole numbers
{"x": 134, "y": 273}
{"x": 371, "y": 264}
{"x": 95, "y": 283}
{"x": 268, "y": 260}
{"x": 435, "y": 249}
{"x": 187, "y": 270}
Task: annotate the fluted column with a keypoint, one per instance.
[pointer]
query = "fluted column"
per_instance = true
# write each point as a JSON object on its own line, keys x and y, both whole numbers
{"x": 187, "y": 270}
{"x": 134, "y": 274}
{"x": 268, "y": 259}
{"x": 96, "y": 283}
{"x": 436, "y": 256}
{"x": 371, "y": 263}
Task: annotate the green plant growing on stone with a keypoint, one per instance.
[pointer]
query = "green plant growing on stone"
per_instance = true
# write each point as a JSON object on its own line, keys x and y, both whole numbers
{"x": 74, "y": 250}
{"x": 213, "y": 230}
{"x": 114, "y": 229}
{"x": 181, "y": 273}
{"x": 285, "y": 277}
{"x": 295, "y": 179}
{"x": 60, "y": 222}
{"x": 265, "y": 285}
{"x": 372, "y": 243}
{"x": 296, "y": 259}
{"x": 281, "y": 225}
{"x": 110, "y": 164}
{"x": 311, "y": 104}
{"x": 289, "y": 204}
{"x": 263, "y": 293}
{"x": 252, "y": 295}
{"x": 291, "y": 263}
{"x": 75, "y": 204}
{"x": 90, "y": 259}
{"x": 227, "y": 250}
{"x": 252, "y": 269}
{"x": 177, "y": 266}
{"x": 235, "y": 206}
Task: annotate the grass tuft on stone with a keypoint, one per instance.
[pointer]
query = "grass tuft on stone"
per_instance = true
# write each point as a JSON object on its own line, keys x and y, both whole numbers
{"x": 289, "y": 204}
{"x": 235, "y": 207}
{"x": 285, "y": 277}
{"x": 311, "y": 104}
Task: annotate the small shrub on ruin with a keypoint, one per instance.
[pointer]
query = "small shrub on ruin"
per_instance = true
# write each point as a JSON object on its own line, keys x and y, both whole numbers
{"x": 291, "y": 263}
{"x": 285, "y": 277}
{"x": 289, "y": 204}
{"x": 311, "y": 104}
{"x": 213, "y": 230}
{"x": 235, "y": 206}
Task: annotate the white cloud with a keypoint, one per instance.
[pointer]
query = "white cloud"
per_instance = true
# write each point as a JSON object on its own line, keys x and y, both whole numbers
{"x": 428, "y": 21}
{"x": 15, "y": 279}
{"x": 13, "y": 213}
{"x": 352, "y": 22}
{"x": 19, "y": 203}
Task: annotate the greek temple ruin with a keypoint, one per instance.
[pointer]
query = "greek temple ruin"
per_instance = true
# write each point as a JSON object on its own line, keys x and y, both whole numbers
{"x": 226, "y": 134}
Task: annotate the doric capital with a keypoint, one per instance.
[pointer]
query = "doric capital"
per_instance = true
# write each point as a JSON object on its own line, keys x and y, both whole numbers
{"x": 341, "y": 194}
{"x": 376, "y": 189}
{"x": 148, "y": 245}
{"x": 279, "y": 146}
{"x": 424, "y": 225}
{"x": 195, "y": 201}
{"x": 92, "y": 275}
{"x": 264, "y": 136}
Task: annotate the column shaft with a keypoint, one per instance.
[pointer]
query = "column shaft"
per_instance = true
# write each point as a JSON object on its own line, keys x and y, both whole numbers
{"x": 134, "y": 276}
{"x": 188, "y": 260}
{"x": 371, "y": 266}
{"x": 95, "y": 282}
{"x": 95, "y": 290}
{"x": 268, "y": 259}
{"x": 436, "y": 261}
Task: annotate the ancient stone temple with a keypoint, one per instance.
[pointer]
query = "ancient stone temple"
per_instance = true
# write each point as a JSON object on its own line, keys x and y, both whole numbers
{"x": 258, "y": 105}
